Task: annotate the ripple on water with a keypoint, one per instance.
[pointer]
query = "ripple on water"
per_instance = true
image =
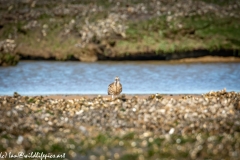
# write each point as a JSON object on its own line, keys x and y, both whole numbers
{"x": 46, "y": 77}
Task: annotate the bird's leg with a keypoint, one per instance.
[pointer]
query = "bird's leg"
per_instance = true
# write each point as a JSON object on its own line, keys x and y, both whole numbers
{"x": 112, "y": 96}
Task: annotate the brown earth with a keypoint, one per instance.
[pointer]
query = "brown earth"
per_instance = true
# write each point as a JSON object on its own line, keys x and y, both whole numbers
{"x": 207, "y": 59}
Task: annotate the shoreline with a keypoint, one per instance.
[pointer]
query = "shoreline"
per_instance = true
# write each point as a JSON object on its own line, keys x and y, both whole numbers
{"x": 187, "y": 59}
{"x": 91, "y": 96}
{"x": 108, "y": 97}
{"x": 121, "y": 96}
{"x": 128, "y": 96}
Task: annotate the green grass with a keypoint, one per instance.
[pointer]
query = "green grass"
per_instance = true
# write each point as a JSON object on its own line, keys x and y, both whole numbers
{"x": 7, "y": 59}
{"x": 198, "y": 32}
{"x": 53, "y": 44}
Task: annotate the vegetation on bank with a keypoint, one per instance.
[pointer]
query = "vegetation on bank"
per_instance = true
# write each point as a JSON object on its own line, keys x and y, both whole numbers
{"x": 87, "y": 31}
{"x": 8, "y": 59}
{"x": 183, "y": 34}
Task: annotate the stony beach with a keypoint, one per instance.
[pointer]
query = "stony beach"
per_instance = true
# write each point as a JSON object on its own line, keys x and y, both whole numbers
{"x": 91, "y": 30}
{"x": 129, "y": 127}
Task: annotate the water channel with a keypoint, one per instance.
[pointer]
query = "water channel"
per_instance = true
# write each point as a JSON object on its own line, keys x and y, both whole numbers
{"x": 137, "y": 77}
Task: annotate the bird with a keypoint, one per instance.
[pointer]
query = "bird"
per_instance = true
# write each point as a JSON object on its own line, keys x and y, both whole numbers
{"x": 115, "y": 88}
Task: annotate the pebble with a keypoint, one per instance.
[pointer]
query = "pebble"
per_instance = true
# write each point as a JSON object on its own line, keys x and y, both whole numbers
{"x": 214, "y": 113}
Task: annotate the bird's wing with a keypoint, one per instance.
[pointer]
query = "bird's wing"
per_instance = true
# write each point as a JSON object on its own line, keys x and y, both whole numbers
{"x": 120, "y": 88}
{"x": 110, "y": 89}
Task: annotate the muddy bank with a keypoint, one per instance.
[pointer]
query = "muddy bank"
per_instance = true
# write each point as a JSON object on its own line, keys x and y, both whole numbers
{"x": 147, "y": 30}
{"x": 197, "y": 55}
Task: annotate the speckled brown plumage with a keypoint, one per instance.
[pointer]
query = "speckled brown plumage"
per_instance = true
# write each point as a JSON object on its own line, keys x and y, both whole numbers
{"x": 115, "y": 88}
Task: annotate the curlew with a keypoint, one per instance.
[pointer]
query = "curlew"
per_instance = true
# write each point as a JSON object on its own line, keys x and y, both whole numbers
{"x": 115, "y": 88}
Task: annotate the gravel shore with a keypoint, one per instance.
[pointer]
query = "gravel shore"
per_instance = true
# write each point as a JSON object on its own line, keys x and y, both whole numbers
{"x": 128, "y": 127}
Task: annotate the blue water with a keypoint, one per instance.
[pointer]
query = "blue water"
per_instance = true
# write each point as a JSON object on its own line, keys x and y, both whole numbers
{"x": 145, "y": 77}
